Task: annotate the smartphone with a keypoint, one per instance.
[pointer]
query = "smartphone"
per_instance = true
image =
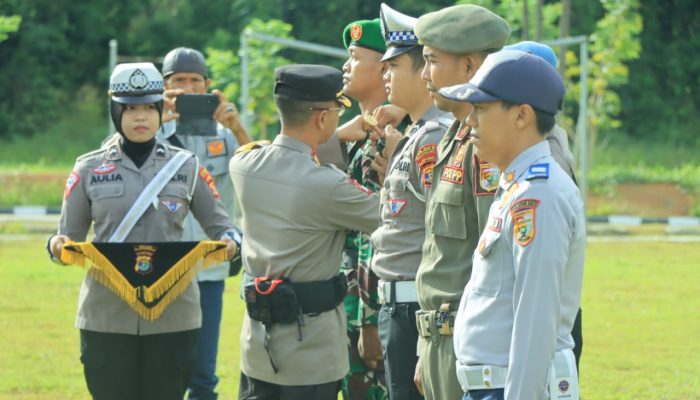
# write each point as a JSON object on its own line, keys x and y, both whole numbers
{"x": 196, "y": 114}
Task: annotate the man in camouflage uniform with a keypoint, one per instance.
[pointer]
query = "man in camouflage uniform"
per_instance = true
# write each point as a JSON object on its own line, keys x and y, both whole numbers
{"x": 362, "y": 78}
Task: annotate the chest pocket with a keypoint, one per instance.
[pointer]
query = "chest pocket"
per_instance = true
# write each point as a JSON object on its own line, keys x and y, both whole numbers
{"x": 107, "y": 201}
{"x": 174, "y": 201}
{"x": 216, "y": 155}
{"x": 448, "y": 217}
{"x": 106, "y": 191}
{"x": 489, "y": 266}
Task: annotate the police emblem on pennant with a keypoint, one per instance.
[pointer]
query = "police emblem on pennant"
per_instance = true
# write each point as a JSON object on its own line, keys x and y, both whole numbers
{"x": 172, "y": 206}
{"x": 138, "y": 80}
{"x": 356, "y": 32}
{"x": 144, "y": 258}
{"x": 523, "y": 213}
{"x": 395, "y": 206}
{"x": 104, "y": 168}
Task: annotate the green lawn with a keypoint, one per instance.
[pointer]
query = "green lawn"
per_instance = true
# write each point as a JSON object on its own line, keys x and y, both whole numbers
{"x": 640, "y": 304}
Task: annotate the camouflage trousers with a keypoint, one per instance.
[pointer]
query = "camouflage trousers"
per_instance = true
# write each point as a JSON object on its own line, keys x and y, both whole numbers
{"x": 362, "y": 383}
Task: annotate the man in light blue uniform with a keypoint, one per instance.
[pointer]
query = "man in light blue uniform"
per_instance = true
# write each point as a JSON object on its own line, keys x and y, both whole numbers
{"x": 512, "y": 333}
{"x": 185, "y": 71}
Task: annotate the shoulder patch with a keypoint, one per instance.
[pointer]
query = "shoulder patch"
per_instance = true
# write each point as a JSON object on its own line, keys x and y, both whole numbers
{"x": 359, "y": 187}
{"x": 72, "y": 181}
{"x": 209, "y": 181}
{"x": 426, "y": 156}
{"x": 259, "y": 144}
{"x": 523, "y": 214}
{"x": 537, "y": 171}
{"x": 486, "y": 176}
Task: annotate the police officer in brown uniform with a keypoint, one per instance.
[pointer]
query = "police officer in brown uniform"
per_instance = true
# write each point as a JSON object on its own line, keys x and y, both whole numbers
{"x": 124, "y": 355}
{"x": 295, "y": 217}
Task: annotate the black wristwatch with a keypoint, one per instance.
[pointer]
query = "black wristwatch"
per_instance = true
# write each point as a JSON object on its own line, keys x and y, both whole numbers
{"x": 53, "y": 258}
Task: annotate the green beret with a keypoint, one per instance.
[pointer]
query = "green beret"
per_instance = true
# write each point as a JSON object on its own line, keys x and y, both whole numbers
{"x": 365, "y": 33}
{"x": 462, "y": 29}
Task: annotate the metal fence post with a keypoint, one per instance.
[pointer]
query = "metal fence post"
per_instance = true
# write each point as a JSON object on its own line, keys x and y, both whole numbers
{"x": 245, "y": 82}
{"x": 110, "y": 67}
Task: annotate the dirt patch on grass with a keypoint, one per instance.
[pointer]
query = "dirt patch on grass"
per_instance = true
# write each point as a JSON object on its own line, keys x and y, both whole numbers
{"x": 642, "y": 199}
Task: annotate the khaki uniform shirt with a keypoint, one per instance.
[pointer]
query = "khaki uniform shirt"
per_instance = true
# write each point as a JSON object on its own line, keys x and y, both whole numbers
{"x": 295, "y": 215}
{"x": 214, "y": 153}
{"x": 462, "y": 192}
{"x": 399, "y": 239}
{"x": 101, "y": 189}
{"x": 520, "y": 304}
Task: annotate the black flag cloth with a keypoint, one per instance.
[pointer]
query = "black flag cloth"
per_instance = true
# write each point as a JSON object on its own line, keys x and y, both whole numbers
{"x": 147, "y": 276}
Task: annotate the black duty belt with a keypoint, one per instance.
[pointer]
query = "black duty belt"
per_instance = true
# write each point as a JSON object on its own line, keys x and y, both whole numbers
{"x": 279, "y": 301}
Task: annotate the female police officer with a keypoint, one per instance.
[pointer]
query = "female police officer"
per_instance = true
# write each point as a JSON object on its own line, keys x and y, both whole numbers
{"x": 124, "y": 355}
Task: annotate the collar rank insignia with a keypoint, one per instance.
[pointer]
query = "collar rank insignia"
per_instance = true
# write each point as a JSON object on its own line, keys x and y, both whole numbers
{"x": 113, "y": 152}
{"x": 395, "y": 206}
{"x": 486, "y": 177}
{"x": 538, "y": 171}
{"x": 172, "y": 206}
{"x": 144, "y": 258}
{"x": 523, "y": 214}
{"x": 104, "y": 168}
{"x": 495, "y": 224}
{"x": 463, "y": 132}
{"x": 160, "y": 150}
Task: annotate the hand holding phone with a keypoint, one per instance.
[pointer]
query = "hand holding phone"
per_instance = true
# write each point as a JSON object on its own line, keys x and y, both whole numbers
{"x": 196, "y": 114}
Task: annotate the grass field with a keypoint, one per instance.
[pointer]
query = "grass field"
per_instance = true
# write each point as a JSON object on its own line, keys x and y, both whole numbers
{"x": 641, "y": 324}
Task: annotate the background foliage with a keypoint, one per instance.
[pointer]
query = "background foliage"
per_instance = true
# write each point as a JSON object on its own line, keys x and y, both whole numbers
{"x": 644, "y": 65}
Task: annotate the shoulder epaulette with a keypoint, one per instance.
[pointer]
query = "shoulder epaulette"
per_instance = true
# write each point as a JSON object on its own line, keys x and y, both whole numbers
{"x": 92, "y": 154}
{"x": 446, "y": 121}
{"x": 258, "y": 144}
{"x": 537, "y": 171}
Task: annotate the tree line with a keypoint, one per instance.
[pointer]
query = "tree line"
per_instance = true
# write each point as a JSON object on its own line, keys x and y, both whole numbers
{"x": 644, "y": 63}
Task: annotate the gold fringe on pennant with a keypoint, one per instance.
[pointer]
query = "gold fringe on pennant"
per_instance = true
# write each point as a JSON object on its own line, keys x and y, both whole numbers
{"x": 170, "y": 286}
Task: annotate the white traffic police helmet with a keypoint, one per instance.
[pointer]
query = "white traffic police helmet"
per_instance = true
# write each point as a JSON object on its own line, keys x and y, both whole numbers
{"x": 136, "y": 83}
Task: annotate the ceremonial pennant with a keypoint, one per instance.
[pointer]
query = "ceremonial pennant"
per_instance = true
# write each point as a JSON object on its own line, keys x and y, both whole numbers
{"x": 147, "y": 276}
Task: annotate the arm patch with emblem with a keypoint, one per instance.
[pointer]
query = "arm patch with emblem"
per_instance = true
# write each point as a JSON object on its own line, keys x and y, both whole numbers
{"x": 426, "y": 156}
{"x": 486, "y": 176}
{"x": 73, "y": 180}
{"x": 209, "y": 180}
{"x": 523, "y": 214}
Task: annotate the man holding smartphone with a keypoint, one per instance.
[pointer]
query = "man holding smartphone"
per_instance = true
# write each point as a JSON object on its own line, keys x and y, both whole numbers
{"x": 185, "y": 72}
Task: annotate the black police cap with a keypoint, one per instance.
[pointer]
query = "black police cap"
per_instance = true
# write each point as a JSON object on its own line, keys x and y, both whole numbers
{"x": 183, "y": 59}
{"x": 309, "y": 82}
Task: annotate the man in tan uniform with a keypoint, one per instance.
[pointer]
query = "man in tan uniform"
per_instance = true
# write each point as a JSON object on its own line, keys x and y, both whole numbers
{"x": 295, "y": 218}
{"x": 456, "y": 41}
